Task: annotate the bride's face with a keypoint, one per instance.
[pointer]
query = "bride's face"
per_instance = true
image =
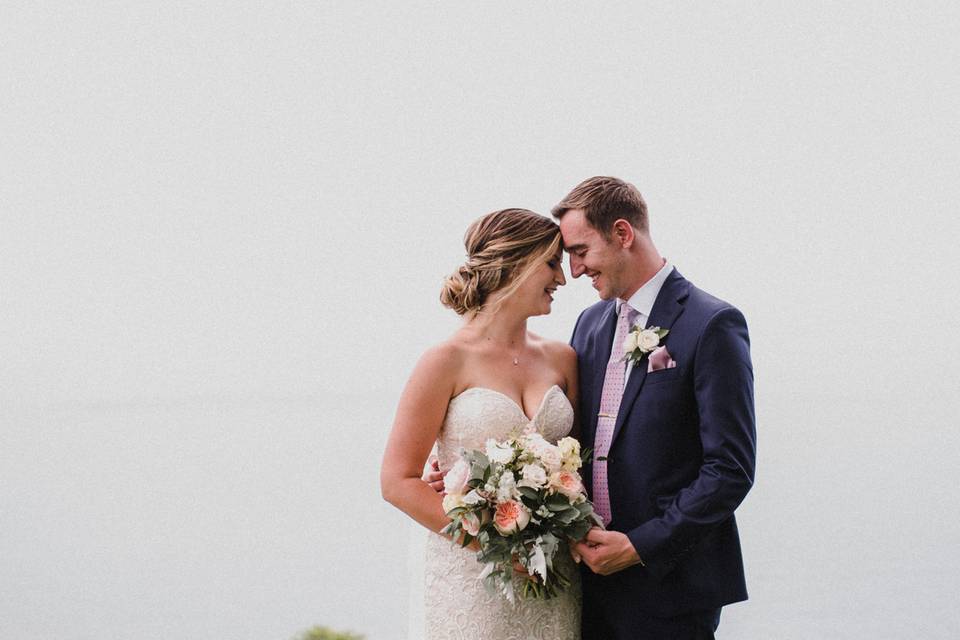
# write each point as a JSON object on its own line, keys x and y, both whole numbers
{"x": 535, "y": 295}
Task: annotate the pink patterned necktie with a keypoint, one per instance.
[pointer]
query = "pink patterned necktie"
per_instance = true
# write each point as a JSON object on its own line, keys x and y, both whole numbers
{"x": 613, "y": 383}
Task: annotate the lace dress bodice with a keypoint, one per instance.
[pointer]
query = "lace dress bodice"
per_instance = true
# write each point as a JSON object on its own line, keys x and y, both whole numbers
{"x": 458, "y": 605}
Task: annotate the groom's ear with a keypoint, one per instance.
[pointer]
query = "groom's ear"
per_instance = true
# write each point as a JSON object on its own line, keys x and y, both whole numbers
{"x": 623, "y": 233}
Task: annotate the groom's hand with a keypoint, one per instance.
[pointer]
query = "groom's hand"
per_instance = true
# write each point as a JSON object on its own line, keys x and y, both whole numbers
{"x": 607, "y": 552}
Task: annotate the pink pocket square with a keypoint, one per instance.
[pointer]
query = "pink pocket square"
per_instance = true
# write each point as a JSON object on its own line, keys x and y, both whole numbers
{"x": 660, "y": 359}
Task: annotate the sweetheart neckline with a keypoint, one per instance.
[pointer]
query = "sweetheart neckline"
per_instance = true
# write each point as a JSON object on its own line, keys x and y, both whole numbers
{"x": 519, "y": 407}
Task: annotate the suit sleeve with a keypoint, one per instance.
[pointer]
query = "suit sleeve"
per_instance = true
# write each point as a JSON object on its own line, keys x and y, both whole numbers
{"x": 723, "y": 390}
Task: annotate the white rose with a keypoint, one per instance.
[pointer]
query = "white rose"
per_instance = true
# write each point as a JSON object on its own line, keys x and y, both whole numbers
{"x": 550, "y": 457}
{"x": 648, "y": 340}
{"x": 451, "y": 501}
{"x": 497, "y": 452}
{"x": 533, "y": 476}
{"x": 570, "y": 452}
{"x": 545, "y": 452}
{"x": 630, "y": 343}
{"x": 507, "y": 487}
{"x": 535, "y": 441}
{"x": 456, "y": 479}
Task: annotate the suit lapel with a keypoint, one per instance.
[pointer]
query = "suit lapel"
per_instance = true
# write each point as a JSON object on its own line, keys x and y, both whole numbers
{"x": 603, "y": 339}
{"x": 666, "y": 309}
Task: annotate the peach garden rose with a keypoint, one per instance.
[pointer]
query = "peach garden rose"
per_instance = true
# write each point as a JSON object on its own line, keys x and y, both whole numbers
{"x": 511, "y": 516}
{"x": 568, "y": 483}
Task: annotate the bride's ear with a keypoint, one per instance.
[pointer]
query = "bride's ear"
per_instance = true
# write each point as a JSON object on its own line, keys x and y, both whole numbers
{"x": 623, "y": 233}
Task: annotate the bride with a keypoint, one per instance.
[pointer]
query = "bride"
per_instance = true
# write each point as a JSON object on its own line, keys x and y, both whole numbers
{"x": 488, "y": 380}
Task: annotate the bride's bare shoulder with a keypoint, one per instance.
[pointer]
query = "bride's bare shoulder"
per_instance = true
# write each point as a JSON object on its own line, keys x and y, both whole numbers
{"x": 557, "y": 351}
{"x": 442, "y": 361}
{"x": 562, "y": 359}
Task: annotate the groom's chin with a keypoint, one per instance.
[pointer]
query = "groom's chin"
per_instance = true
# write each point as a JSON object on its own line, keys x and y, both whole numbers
{"x": 602, "y": 292}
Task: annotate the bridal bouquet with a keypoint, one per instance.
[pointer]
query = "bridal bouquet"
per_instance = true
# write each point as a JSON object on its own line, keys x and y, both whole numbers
{"x": 521, "y": 499}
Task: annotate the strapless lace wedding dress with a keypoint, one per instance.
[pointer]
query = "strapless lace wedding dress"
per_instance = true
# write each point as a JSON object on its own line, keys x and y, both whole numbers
{"x": 457, "y": 604}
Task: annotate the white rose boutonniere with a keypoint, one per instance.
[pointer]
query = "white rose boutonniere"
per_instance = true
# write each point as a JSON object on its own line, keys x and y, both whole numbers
{"x": 641, "y": 342}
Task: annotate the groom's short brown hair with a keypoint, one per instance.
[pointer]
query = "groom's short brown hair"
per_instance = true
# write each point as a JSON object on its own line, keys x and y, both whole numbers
{"x": 604, "y": 200}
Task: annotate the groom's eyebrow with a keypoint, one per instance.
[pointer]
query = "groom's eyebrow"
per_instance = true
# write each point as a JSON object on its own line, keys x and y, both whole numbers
{"x": 574, "y": 247}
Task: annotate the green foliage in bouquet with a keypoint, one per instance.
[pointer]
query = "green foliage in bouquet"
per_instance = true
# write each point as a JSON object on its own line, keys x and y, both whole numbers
{"x": 523, "y": 501}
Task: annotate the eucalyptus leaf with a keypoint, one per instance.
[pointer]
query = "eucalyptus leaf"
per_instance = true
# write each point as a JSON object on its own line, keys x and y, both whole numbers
{"x": 579, "y": 529}
{"x": 531, "y": 503}
{"x": 557, "y": 502}
{"x": 567, "y": 516}
{"x": 529, "y": 492}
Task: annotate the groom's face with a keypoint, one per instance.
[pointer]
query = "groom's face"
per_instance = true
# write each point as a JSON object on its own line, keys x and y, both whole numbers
{"x": 593, "y": 255}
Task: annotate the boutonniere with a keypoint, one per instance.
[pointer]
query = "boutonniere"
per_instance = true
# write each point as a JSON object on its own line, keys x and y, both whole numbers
{"x": 640, "y": 342}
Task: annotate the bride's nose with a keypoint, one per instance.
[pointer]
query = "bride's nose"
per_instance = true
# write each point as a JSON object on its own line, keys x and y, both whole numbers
{"x": 560, "y": 279}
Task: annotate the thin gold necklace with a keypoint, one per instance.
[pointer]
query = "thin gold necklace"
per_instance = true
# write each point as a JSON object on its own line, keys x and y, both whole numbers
{"x": 516, "y": 357}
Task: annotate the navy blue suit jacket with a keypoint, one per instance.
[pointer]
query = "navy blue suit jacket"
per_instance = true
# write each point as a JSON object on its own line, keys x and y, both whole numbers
{"x": 682, "y": 456}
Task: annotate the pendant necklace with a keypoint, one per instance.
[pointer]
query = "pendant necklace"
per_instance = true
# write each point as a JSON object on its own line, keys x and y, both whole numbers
{"x": 516, "y": 357}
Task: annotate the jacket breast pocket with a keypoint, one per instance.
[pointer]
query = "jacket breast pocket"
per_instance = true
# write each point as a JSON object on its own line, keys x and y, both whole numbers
{"x": 663, "y": 375}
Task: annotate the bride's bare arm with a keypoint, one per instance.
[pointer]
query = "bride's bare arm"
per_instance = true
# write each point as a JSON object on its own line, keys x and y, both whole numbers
{"x": 419, "y": 417}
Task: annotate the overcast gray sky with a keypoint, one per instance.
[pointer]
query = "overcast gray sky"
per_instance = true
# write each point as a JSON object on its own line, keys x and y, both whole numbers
{"x": 223, "y": 232}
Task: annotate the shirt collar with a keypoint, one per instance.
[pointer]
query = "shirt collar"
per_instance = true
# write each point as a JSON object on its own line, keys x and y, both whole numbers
{"x": 642, "y": 301}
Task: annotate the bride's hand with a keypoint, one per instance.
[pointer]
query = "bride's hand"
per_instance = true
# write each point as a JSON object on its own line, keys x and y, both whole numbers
{"x": 432, "y": 474}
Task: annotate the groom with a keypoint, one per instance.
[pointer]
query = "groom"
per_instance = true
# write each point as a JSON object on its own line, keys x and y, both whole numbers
{"x": 671, "y": 428}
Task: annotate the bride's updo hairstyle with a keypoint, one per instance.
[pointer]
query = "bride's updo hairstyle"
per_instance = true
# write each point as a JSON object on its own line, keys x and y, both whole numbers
{"x": 503, "y": 249}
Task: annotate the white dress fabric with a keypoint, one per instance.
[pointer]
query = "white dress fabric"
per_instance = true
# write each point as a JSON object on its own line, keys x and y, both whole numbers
{"x": 457, "y": 604}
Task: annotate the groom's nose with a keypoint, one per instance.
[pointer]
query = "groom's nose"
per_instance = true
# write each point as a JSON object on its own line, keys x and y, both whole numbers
{"x": 576, "y": 266}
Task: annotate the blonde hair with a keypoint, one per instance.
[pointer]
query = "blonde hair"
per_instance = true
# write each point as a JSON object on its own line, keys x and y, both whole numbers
{"x": 503, "y": 249}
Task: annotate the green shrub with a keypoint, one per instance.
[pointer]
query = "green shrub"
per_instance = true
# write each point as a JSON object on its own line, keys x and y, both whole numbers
{"x": 325, "y": 633}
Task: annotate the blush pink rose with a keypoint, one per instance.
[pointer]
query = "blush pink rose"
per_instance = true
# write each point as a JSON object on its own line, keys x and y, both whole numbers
{"x": 471, "y": 523}
{"x": 511, "y": 516}
{"x": 567, "y": 482}
{"x": 456, "y": 479}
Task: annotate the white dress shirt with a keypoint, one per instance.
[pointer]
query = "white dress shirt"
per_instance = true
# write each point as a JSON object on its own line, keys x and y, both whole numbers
{"x": 642, "y": 302}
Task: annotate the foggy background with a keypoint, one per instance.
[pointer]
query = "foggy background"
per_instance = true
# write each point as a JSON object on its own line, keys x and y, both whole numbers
{"x": 223, "y": 227}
